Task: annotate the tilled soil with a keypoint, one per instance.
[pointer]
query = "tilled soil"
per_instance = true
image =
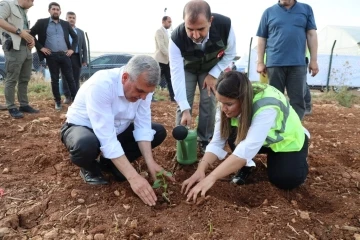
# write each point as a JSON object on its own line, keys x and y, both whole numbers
{"x": 43, "y": 196}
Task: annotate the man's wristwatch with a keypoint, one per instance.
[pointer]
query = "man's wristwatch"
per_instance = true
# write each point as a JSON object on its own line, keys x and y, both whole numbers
{"x": 18, "y": 31}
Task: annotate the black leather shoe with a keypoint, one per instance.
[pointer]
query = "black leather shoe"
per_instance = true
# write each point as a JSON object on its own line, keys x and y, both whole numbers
{"x": 58, "y": 106}
{"x": 107, "y": 165}
{"x": 15, "y": 113}
{"x": 92, "y": 178}
{"x": 67, "y": 100}
{"x": 28, "y": 109}
{"x": 241, "y": 176}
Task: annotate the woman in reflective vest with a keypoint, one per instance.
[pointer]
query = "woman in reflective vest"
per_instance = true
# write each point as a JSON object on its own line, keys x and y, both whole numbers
{"x": 252, "y": 118}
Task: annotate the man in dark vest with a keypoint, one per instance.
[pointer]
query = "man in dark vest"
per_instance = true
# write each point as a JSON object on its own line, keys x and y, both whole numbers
{"x": 199, "y": 50}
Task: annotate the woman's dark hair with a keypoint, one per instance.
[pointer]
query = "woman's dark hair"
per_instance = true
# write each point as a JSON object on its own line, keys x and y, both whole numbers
{"x": 236, "y": 85}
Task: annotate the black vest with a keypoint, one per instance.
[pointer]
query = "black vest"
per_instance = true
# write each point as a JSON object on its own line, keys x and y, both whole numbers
{"x": 200, "y": 61}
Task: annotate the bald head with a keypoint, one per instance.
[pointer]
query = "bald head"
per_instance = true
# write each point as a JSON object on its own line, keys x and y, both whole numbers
{"x": 194, "y": 8}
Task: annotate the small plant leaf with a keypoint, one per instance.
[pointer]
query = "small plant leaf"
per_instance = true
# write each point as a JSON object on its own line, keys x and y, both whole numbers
{"x": 165, "y": 186}
{"x": 157, "y": 183}
{"x": 169, "y": 174}
{"x": 160, "y": 173}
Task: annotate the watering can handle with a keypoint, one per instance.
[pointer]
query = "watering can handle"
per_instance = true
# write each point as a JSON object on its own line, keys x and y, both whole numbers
{"x": 183, "y": 149}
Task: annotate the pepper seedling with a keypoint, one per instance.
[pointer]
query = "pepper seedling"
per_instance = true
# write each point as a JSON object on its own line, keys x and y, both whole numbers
{"x": 161, "y": 182}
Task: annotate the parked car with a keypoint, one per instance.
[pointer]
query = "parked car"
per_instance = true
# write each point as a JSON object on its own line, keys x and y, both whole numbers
{"x": 35, "y": 68}
{"x": 106, "y": 61}
{"x": 38, "y": 66}
{"x": 2, "y": 68}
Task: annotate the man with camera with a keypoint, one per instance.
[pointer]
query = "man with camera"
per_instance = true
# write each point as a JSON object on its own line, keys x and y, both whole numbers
{"x": 17, "y": 45}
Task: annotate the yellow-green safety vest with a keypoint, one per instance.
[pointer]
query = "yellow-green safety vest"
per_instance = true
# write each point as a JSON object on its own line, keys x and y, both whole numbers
{"x": 288, "y": 133}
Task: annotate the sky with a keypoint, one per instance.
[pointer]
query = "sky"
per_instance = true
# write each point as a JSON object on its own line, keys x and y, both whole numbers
{"x": 129, "y": 26}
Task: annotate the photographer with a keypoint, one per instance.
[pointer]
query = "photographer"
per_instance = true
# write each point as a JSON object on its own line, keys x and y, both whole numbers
{"x": 17, "y": 45}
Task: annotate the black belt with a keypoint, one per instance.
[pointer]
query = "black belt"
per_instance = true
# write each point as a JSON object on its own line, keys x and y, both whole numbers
{"x": 59, "y": 53}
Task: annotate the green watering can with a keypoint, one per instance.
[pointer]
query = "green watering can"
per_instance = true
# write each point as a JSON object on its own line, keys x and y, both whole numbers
{"x": 186, "y": 146}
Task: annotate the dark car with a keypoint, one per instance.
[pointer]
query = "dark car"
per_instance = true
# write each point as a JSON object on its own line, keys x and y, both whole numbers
{"x": 38, "y": 66}
{"x": 106, "y": 61}
{"x": 2, "y": 68}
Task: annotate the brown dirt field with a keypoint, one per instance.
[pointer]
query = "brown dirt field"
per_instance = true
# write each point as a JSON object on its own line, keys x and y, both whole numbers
{"x": 45, "y": 198}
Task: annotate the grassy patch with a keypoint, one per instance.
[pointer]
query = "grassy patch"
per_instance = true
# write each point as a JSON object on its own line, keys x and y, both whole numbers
{"x": 38, "y": 87}
{"x": 343, "y": 96}
{"x": 161, "y": 94}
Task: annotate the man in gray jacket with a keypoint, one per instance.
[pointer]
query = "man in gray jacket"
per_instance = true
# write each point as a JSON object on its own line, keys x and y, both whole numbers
{"x": 17, "y": 44}
{"x": 162, "y": 53}
{"x": 78, "y": 58}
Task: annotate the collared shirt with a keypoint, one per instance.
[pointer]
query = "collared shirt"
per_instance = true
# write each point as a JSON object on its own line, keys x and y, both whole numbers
{"x": 100, "y": 104}
{"x": 255, "y": 138}
{"x": 285, "y": 33}
{"x": 70, "y": 40}
{"x": 177, "y": 67}
{"x": 55, "y": 40}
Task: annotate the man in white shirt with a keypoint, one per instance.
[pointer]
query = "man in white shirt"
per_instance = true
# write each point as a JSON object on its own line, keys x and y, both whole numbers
{"x": 199, "y": 50}
{"x": 111, "y": 114}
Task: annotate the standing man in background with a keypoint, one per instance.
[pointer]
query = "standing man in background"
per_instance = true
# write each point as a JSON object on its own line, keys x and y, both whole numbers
{"x": 78, "y": 58}
{"x": 53, "y": 44}
{"x": 200, "y": 49}
{"x": 17, "y": 44}
{"x": 284, "y": 30}
{"x": 162, "y": 53}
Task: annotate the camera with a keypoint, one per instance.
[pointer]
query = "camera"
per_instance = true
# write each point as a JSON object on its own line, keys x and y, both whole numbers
{"x": 8, "y": 44}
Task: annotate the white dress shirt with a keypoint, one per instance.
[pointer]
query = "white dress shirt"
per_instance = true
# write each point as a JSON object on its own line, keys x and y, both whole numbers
{"x": 255, "y": 138}
{"x": 100, "y": 104}
{"x": 177, "y": 67}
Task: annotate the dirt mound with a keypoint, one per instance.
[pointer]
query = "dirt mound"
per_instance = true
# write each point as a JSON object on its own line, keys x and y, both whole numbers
{"x": 44, "y": 197}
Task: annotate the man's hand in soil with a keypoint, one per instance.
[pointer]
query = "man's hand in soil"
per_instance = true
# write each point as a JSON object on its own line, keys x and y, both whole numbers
{"x": 202, "y": 187}
{"x": 155, "y": 168}
{"x": 143, "y": 189}
{"x": 138, "y": 184}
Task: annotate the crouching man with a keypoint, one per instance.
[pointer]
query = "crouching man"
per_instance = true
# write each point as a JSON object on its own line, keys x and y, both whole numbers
{"x": 111, "y": 114}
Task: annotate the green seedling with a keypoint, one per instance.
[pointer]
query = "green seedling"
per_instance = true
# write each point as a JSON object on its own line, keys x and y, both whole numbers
{"x": 211, "y": 228}
{"x": 161, "y": 182}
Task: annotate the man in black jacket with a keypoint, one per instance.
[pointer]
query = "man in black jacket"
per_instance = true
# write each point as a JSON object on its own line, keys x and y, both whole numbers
{"x": 54, "y": 45}
{"x": 78, "y": 58}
